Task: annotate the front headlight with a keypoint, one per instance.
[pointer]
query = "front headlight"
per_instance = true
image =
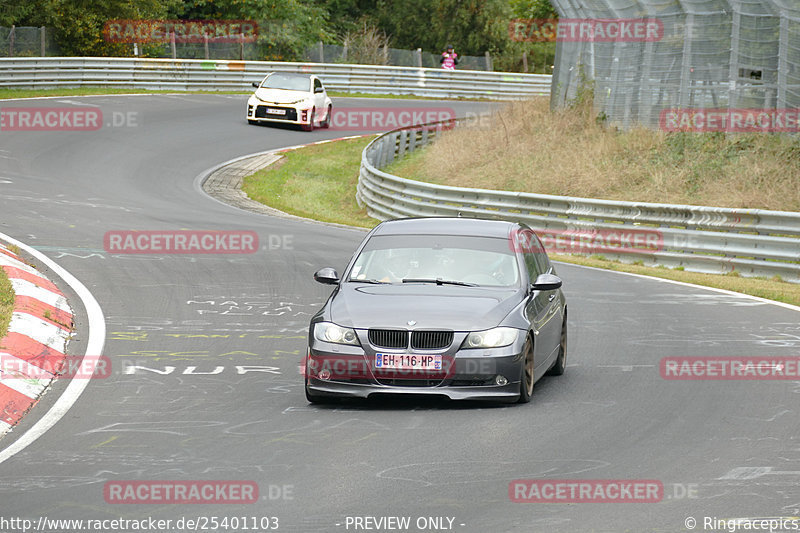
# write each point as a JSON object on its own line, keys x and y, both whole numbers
{"x": 330, "y": 332}
{"x": 491, "y": 338}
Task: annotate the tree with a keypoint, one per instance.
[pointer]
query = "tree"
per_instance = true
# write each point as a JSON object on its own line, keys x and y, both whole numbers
{"x": 286, "y": 28}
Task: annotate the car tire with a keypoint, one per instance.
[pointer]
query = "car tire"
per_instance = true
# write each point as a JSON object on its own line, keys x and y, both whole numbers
{"x": 310, "y": 125}
{"x": 561, "y": 360}
{"x": 327, "y": 122}
{"x": 526, "y": 376}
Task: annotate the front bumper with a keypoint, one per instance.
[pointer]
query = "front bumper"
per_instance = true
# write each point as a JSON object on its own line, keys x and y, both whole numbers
{"x": 465, "y": 375}
{"x": 278, "y": 113}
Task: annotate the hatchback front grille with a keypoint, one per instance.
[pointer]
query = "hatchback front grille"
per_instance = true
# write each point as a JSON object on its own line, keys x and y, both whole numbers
{"x": 410, "y": 382}
{"x": 290, "y": 113}
{"x": 388, "y": 338}
{"x": 431, "y": 340}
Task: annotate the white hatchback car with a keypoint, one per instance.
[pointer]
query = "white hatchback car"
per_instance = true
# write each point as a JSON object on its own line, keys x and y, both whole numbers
{"x": 290, "y": 98}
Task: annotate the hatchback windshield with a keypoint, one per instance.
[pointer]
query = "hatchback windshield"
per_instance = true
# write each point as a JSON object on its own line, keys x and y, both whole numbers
{"x": 427, "y": 258}
{"x": 289, "y": 83}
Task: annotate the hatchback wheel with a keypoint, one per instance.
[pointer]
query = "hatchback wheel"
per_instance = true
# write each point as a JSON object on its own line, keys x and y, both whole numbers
{"x": 561, "y": 361}
{"x": 526, "y": 381}
{"x": 327, "y": 122}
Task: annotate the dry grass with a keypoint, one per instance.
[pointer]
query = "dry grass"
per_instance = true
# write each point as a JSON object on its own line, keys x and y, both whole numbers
{"x": 526, "y": 147}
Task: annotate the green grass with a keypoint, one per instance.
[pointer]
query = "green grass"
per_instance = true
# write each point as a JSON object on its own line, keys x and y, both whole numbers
{"x": 6, "y": 303}
{"x": 319, "y": 182}
{"x": 316, "y": 182}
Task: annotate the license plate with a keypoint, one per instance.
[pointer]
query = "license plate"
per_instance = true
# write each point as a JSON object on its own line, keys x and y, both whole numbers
{"x": 397, "y": 361}
{"x": 276, "y": 111}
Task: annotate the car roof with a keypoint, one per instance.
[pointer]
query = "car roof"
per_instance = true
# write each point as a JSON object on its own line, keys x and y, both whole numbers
{"x": 476, "y": 227}
{"x": 293, "y": 75}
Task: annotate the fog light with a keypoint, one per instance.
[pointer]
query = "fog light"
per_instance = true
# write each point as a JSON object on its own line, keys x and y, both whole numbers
{"x": 501, "y": 380}
{"x": 324, "y": 375}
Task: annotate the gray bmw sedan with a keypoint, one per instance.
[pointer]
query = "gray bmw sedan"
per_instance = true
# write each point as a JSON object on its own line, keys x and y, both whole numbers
{"x": 457, "y": 307}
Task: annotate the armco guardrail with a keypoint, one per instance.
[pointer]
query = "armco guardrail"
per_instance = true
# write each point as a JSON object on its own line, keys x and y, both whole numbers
{"x": 753, "y": 242}
{"x": 215, "y": 75}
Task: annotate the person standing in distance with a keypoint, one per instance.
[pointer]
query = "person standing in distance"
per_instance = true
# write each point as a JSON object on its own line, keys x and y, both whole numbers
{"x": 449, "y": 58}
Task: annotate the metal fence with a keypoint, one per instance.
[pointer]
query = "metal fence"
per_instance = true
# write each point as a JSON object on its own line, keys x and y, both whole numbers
{"x": 752, "y": 242}
{"x": 27, "y": 41}
{"x": 711, "y": 54}
{"x": 187, "y": 74}
{"x": 334, "y": 53}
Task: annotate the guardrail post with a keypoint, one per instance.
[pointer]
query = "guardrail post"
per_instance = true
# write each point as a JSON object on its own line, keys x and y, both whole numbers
{"x": 401, "y": 145}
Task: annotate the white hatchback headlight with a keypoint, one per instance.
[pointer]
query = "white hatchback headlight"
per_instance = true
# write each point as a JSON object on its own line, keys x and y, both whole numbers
{"x": 330, "y": 332}
{"x": 491, "y": 338}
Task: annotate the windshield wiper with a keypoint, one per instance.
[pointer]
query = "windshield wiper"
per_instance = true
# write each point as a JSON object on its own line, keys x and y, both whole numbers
{"x": 439, "y": 281}
{"x": 373, "y": 281}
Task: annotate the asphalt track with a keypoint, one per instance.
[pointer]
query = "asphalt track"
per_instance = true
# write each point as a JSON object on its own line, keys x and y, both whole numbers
{"x": 722, "y": 449}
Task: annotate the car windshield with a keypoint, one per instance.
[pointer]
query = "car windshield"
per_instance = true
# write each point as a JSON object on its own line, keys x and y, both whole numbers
{"x": 289, "y": 83}
{"x": 449, "y": 259}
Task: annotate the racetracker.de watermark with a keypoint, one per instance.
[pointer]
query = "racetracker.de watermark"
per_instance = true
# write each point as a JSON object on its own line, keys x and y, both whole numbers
{"x": 383, "y": 118}
{"x": 730, "y": 120}
{"x": 392, "y": 366}
{"x": 586, "y": 491}
{"x": 184, "y": 31}
{"x": 181, "y": 242}
{"x": 586, "y": 30}
{"x": 64, "y": 119}
{"x": 587, "y": 241}
{"x": 55, "y": 367}
{"x": 182, "y": 492}
{"x": 50, "y": 119}
{"x": 730, "y": 368}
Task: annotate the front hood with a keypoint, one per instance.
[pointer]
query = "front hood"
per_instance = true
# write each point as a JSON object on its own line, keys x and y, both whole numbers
{"x": 431, "y": 306}
{"x": 280, "y": 96}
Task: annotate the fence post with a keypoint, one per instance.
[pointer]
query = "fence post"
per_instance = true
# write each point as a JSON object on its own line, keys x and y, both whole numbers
{"x": 488, "y": 61}
{"x": 241, "y": 47}
{"x": 344, "y": 52}
{"x": 43, "y": 39}
{"x": 172, "y": 44}
{"x": 205, "y": 44}
{"x": 783, "y": 60}
{"x": 524, "y": 61}
{"x": 321, "y": 52}
{"x": 11, "y": 42}
{"x": 418, "y": 54}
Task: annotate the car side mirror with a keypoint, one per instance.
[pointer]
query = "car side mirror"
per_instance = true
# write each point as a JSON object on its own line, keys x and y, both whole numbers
{"x": 327, "y": 276}
{"x": 546, "y": 282}
{"x": 255, "y": 84}
{"x": 319, "y": 90}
